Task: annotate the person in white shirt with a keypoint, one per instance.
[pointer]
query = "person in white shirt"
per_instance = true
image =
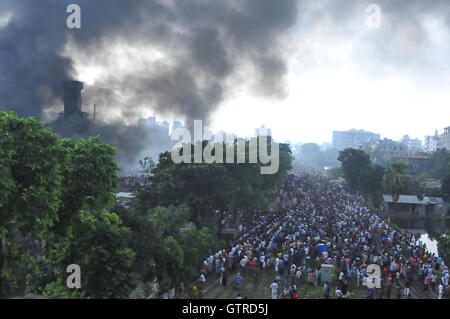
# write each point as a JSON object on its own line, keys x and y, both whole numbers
{"x": 441, "y": 291}
{"x": 298, "y": 276}
{"x": 274, "y": 290}
{"x": 262, "y": 260}
{"x": 243, "y": 262}
{"x": 338, "y": 293}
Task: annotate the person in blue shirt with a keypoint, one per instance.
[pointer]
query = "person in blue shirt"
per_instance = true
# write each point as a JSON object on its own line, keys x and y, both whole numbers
{"x": 326, "y": 290}
{"x": 238, "y": 280}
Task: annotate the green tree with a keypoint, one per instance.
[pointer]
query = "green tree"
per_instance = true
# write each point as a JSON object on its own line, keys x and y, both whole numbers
{"x": 444, "y": 247}
{"x": 441, "y": 160}
{"x": 198, "y": 193}
{"x": 356, "y": 167}
{"x": 153, "y": 238}
{"x": 446, "y": 188}
{"x": 377, "y": 155}
{"x": 395, "y": 180}
{"x": 30, "y": 191}
{"x": 374, "y": 184}
{"x": 100, "y": 245}
{"x": 196, "y": 244}
{"x": 58, "y": 290}
{"x": 89, "y": 173}
{"x": 206, "y": 188}
{"x": 54, "y": 211}
{"x": 89, "y": 178}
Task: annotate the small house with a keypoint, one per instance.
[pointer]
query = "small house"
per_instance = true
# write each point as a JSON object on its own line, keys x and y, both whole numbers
{"x": 412, "y": 206}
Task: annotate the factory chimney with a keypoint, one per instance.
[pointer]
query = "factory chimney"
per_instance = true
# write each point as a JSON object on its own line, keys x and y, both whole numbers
{"x": 72, "y": 97}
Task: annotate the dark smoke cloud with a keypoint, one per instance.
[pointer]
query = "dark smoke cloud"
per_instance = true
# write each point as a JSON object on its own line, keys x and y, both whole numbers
{"x": 31, "y": 67}
{"x": 211, "y": 47}
{"x": 206, "y": 42}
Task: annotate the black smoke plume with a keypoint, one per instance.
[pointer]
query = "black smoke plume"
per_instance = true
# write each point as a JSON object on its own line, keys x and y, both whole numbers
{"x": 207, "y": 42}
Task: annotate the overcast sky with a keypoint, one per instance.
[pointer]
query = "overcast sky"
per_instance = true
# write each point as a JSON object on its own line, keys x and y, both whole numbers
{"x": 302, "y": 68}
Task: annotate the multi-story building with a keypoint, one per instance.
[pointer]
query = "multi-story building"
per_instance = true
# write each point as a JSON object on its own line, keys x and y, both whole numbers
{"x": 382, "y": 151}
{"x": 437, "y": 141}
{"x": 352, "y": 138}
{"x": 432, "y": 142}
{"x": 392, "y": 148}
{"x": 445, "y": 138}
{"x": 417, "y": 164}
{"x": 413, "y": 145}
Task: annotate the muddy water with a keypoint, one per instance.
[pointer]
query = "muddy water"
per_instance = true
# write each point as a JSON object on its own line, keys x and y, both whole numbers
{"x": 429, "y": 230}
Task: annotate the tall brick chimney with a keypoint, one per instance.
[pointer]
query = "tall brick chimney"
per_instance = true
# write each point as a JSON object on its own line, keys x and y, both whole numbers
{"x": 72, "y": 97}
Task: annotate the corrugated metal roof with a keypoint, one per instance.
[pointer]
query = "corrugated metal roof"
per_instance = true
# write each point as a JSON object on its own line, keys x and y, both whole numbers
{"x": 407, "y": 199}
{"x": 127, "y": 195}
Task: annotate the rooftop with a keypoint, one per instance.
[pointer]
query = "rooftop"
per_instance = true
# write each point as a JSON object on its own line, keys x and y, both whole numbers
{"x": 412, "y": 199}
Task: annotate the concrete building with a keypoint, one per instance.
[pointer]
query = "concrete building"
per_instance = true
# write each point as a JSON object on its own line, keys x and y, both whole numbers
{"x": 445, "y": 138}
{"x": 417, "y": 164}
{"x": 437, "y": 141}
{"x": 352, "y": 138}
{"x": 432, "y": 142}
{"x": 387, "y": 149}
{"x": 414, "y": 145}
{"x": 72, "y": 97}
{"x": 73, "y": 120}
{"x": 392, "y": 148}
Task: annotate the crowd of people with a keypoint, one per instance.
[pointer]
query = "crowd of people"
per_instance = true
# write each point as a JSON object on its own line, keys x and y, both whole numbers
{"x": 328, "y": 226}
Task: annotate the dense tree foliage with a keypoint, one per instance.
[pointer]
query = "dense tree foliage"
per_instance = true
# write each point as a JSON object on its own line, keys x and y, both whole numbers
{"x": 57, "y": 207}
{"x": 199, "y": 195}
{"x": 446, "y": 187}
{"x": 31, "y": 189}
{"x": 54, "y": 211}
{"x": 100, "y": 245}
{"x": 205, "y": 188}
{"x": 444, "y": 247}
{"x": 356, "y": 168}
{"x": 395, "y": 180}
{"x": 374, "y": 180}
{"x": 30, "y": 176}
{"x": 441, "y": 163}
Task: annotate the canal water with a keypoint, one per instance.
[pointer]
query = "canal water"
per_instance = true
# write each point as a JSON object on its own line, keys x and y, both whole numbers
{"x": 429, "y": 229}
